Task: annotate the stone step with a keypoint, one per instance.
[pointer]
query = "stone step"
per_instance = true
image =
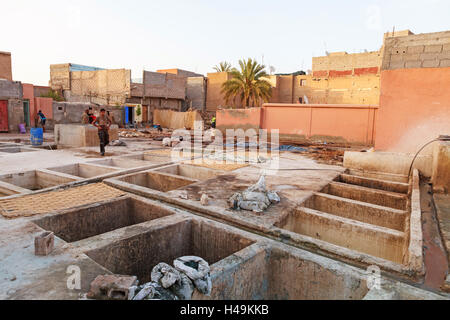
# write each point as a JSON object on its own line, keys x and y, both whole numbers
{"x": 357, "y": 210}
{"x": 374, "y": 196}
{"x": 391, "y": 186}
{"x": 352, "y": 234}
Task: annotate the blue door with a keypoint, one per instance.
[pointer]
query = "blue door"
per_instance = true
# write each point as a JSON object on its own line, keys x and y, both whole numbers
{"x": 127, "y": 120}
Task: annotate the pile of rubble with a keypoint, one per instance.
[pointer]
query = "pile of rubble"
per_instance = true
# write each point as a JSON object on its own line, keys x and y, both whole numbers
{"x": 130, "y": 133}
{"x": 256, "y": 198}
{"x": 167, "y": 282}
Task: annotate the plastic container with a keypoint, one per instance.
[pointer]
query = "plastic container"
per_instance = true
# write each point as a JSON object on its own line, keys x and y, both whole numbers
{"x": 37, "y": 136}
{"x": 22, "y": 128}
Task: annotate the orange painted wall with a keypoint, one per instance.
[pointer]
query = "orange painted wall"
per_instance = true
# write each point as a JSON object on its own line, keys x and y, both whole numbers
{"x": 414, "y": 108}
{"x": 46, "y": 105}
{"x": 332, "y": 123}
{"x": 238, "y": 119}
{"x": 37, "y": 103}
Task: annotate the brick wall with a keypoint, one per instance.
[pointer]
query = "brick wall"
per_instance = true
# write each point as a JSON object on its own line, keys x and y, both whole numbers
{"x": 5, "y": 66}
{"x": 431, "y": 50}
{"x": 10, "y": 90}
{"x": 60, "y": 76}
{"x": 196, "y": 92}
{"x": 164, "y": 85}
{"x": 214, "y": 96}
{"x": 343, "y": 64}
{"x": 180, "y": 72}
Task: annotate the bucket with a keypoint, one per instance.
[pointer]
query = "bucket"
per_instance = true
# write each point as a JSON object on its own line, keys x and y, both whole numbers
{"x": 22, "y": 128}
{"x": 37, "y": 136}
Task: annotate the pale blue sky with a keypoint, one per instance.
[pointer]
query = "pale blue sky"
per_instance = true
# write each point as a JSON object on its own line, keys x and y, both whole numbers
{"x": 197, "y": 34}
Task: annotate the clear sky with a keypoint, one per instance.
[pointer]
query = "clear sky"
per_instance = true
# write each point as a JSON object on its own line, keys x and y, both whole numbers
{"x": 197, "y": 34}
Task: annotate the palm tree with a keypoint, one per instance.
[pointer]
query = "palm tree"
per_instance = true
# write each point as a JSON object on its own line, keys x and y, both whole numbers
{"x": 248, "y": 83}
{"x": 223, "y": 67}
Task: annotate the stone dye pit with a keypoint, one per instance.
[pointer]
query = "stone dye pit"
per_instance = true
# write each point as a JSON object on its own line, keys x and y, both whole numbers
{"x": 33, "y": 180}
{"x": 130, "y": 235}
{"x": 83, "y": 170}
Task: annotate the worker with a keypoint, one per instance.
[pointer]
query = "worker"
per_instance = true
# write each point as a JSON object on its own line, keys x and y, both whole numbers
{"x": 103, "y": 123}
{"x": 213, "y": 122}
{"x": 91, "y": 115}
{"x": 85, "y": 117}
{"x": 43, "y": 119}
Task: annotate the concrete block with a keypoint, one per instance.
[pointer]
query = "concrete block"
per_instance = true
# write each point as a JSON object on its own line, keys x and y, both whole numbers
{"x": 399, "y": 50}
{"x": 429, "y": 56}
{"x": 434, "y": 48}
{"x": 431, "y": 64}
{"x": 411, "y": 57}
{"x": 398, "y": 57}
{"x": 445, "y": 63}
{"x": 44, "y": 244}
{"x": 416, "y": 49}
{"x": 397, "y": 65}
{"x": 413, "y": 64}
{"x": 112, "y": 287}
{"x": 387, "y": 162}
{"x": 441, "y": 167}
{"x": 444, "y": 55}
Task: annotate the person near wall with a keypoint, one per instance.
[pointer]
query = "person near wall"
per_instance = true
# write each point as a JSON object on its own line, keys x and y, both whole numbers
{"x": 213, "y": 122}
{"x": 103, "y": 123}
{"x": 91, "y": 115}
{"x": 85, "y": 117}
{"x": 43, "y": 119}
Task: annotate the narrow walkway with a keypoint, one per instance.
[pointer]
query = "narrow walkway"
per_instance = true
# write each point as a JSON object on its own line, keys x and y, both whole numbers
{"x": 435, "y": 258}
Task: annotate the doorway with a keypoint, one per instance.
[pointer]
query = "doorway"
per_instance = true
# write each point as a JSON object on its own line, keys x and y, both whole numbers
{"x": 26, "y": 112}
{"x": 129, "y": 117}
{"x": 4, "y": 116}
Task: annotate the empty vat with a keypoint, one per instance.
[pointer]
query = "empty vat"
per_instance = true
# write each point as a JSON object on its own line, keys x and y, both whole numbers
{"x": 35, "y": 180}
{"x": 83, "y": 170}
{"x": 138, "y": 254}
{"x": 77, "y": 224}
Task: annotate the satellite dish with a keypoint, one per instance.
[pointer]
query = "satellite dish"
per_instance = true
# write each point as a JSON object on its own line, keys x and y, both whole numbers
{"x": 271, "y": 69}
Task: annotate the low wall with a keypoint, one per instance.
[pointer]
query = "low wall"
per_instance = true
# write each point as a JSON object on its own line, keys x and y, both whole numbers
{"x": 176, "y": 120}
{"x": 238, "y": 119}
{"x": 441, "y": 167}
{"x": 78, "y": 135}
{"x": 352, "y": 124}
{"x": 388, "y": 162}
{"x": 70, "y": 112}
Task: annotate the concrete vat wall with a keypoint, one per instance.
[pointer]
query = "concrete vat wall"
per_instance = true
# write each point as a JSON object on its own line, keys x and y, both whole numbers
{"x": 441, "y": 167}
{"x": 78, "y": 135}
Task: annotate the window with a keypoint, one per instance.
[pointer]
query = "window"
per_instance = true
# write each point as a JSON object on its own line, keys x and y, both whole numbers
{"x": 302, "y": 82}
